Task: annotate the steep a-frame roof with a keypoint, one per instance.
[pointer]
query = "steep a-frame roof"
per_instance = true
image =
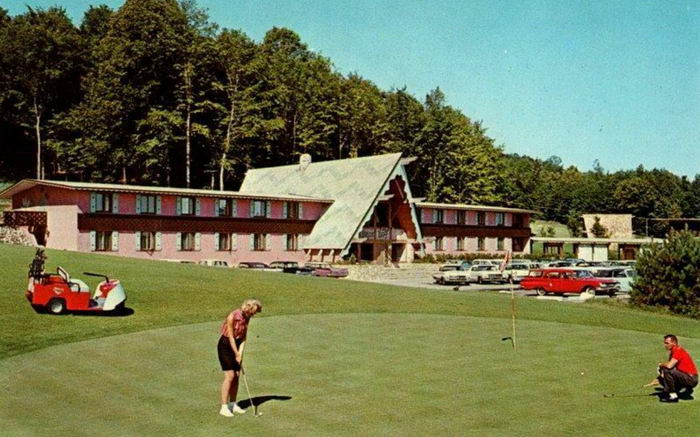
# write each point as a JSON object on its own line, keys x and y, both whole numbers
{"x": 354, "y": 185}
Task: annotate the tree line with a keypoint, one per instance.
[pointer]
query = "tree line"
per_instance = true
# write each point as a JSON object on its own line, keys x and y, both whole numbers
{"x": 155, "y": 93}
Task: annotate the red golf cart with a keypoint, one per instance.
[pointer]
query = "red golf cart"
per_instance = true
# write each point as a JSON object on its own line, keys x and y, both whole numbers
{"x": 58, "y": 292}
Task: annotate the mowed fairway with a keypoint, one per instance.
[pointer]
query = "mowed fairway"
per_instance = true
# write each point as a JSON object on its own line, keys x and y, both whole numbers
{"x": 333, "y": 358}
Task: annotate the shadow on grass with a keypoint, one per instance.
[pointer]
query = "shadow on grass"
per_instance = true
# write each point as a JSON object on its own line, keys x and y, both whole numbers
{"x": 124, "y": 312}
{"x": 259, "y": 400}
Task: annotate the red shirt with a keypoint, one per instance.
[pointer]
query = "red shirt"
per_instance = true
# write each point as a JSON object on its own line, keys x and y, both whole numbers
{"x": 240, "y": 325}
{"x": 685, "y": 363}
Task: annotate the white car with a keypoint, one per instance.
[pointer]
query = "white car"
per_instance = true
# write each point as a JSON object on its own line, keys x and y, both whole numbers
{"x": 516, "y": 271}
{"x": 481, "y": 273}
{"x": 451, "y": 274}
{"x": 623, "y": 275}
{"x": 214, "y": 263}
{"x": 487, "y": 262}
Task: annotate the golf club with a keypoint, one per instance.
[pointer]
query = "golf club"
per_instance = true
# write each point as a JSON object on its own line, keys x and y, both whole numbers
{"x": 247, "y": 389}
{"x": 627, "y": 394}
{"x": 508, "y": 338}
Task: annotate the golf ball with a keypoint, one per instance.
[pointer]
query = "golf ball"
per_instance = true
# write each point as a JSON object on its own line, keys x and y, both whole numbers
{"x": 581, "y": 373}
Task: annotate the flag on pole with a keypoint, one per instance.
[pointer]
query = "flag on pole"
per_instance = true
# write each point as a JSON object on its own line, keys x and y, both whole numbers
{"x": 505, "y": 261}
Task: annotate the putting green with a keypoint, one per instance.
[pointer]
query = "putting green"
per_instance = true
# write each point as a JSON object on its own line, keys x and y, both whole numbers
{"x": 349, "y": 374}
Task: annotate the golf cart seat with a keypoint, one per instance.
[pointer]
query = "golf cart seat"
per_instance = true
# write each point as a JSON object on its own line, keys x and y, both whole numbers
{"x": 79, "y": 285}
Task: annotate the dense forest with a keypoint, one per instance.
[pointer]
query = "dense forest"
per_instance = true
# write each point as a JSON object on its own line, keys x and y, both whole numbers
{"x": 155, "y": 93}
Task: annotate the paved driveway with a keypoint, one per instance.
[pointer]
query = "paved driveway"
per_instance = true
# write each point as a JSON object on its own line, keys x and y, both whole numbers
{"x": 497, "y": 288}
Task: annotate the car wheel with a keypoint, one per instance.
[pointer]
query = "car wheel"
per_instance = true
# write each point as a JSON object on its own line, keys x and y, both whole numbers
{"x": 589, "y": 291}
{"x": 57, "y": 306}
{"x": 540, "y": 291}
{"x": 611, "y": 293}
{"x": 441, "y": 281}
{"x": 479, "y": 280}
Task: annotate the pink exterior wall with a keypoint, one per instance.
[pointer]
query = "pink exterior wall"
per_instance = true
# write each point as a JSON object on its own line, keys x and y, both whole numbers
{"x": 43, "y": 196}
{"x": 62, "y": 227}
{"x": 450, "y": 217}
{"x": 449, "y": 245}
{"x": 243, "y": 252}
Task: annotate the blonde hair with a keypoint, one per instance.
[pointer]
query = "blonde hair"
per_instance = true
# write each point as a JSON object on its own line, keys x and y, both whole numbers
{"x": 251, "y": 306}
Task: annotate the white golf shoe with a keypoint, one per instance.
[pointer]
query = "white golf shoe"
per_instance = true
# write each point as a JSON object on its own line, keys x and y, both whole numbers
{"x": 224, "y": 411}
{"x": 236, "y": 409}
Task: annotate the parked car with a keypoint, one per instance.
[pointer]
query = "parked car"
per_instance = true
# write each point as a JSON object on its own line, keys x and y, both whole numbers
{"x": 292, "y": 267}
{"x": 481, "y": 273}
{"x": 567, "y": 280}
{"x": 623, "y": 275}
{"x": 516, "y": 271}
{"x": 487, "y": 262}
{"x": 326, "y": 270}
{"x": 252, "y": 265}
{"x": 214, "y": 263}
{"x": 631, "y": 263}
{"x": 451, "y": 274}
{"x": 557, "y": 264}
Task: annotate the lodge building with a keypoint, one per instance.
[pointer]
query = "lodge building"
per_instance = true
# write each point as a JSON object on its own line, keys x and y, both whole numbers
{"x": 325, "y": 211}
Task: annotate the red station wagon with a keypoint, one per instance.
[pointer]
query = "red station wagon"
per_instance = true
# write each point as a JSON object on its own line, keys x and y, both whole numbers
{"x": 563, "y": 281}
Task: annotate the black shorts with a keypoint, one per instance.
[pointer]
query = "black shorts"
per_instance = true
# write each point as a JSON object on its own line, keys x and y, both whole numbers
{"x": 227, "y": 358}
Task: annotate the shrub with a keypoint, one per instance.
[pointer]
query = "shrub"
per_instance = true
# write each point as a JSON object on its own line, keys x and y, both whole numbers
{"x": 669, "y": 275}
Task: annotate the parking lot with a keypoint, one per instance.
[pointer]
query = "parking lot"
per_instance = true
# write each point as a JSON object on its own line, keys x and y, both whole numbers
{"x": 496, "y": 288}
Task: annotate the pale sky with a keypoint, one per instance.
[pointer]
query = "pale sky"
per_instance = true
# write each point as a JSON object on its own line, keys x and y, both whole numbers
{"x": 617, "y": 81}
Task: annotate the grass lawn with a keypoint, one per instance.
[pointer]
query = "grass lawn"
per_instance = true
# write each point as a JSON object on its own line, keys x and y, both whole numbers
{"x": 352, "y": 358}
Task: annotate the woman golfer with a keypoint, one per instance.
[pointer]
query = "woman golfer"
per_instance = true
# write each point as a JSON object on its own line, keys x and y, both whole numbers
{"x": 230, "y": 348}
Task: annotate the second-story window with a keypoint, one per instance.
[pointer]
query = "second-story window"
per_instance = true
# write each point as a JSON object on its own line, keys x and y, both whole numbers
{"x": 500, "y": 219}
{"x": 481, "y": 218}
{"x": 258, "y": 208}
{"x": 103, "y": 202}
{"x": 187, "y": 205}
{"x": 291, "y": 210}
{"x": 226, "y": 207}
{"x": 146, "y": 204}
{"x": 461, "y": 217}
{"x": 438, "y": 216}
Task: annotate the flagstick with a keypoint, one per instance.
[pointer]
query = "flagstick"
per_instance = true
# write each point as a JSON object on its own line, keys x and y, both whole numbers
{"x": 512, "y": 306}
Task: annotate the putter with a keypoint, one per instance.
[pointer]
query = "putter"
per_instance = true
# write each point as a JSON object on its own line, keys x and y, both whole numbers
{"x": 247, "y": 389}
{"x": 508, "y": 338}
{"x": 627, "y": 394}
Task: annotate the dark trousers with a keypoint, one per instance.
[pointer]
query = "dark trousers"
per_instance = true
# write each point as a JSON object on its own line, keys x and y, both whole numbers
{"x": 673, "y": 380}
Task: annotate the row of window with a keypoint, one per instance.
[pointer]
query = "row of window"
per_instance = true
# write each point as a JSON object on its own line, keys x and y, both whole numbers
{"x": 151, "y": 204}
{"x": 439, "y": 243}
{"x": 461, "y": 217}
{"x": 108, "y": 241}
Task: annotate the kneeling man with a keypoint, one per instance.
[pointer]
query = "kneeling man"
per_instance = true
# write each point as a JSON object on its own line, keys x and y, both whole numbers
{"x": 678, "y": 373}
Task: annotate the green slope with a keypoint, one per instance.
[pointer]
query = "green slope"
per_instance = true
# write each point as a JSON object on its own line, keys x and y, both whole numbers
{"x": 165, "y": 294}
{"x": 354, "y": 358}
